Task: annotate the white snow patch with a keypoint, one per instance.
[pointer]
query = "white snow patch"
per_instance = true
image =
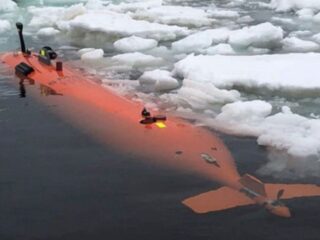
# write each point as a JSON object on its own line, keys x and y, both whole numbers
{"x": 133, "y": 44}
{"x": 4, "y": 26}
{"x": 7, "y": 6}
{"x": 305, "y": 13}
{"x": 243, "y": 118}
{"x": 47, "y": 32}
{"x": 117, "y": 24}
{"x": 288, "y": 5}
{"x": 91, "y": 55}
{"x": 289, "y": 71}
{"x": 218, "y": 13}
{"x": 158, "y": 80}
{"x": 222, "y": 48}
{"x": 316, "y": 37}
{"x": 177, "y": 15}
{"x": 85, "y": 50}
{"x": 296, "y": 135}
{"x": 134, "y": 6}
{"x": 51, "y": 16}
{"x": 264, "y": 35}
{"x": 200, "y": 96}
{"x": 137, "y": 59}
{"x": 201, "y": 40}
{"x": 294, "y": 44}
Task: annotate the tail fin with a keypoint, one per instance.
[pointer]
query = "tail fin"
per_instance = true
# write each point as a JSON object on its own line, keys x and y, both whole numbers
{"x": 226, "y": 198}
{"x": 292, "y": 190}
{"x": 217, "y": 200}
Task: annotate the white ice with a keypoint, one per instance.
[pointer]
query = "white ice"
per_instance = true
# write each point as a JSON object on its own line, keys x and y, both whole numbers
{"x": 111, "y": 23}
{"x": 91, "y": 54}
{"x": 294, "y": 44}
{"x": 199, "y": 96}
{"x": 284, "y": 71}
{"x": 5, "y": 26}
{"x": 137, "y": 59}
{"x": 201, "y": 40}
{"x": 177, "y": 15}
{"x": 287, "y": 5}
{"x": 158, "y": 80}
{"x": 286, "y": 131}
{"x": 134, "y": 44}
{"x": 7, "y": 5}
{"x": 264, "y": 35}
{"x": 222, "y": 48}
{"x": 47, "y": 32}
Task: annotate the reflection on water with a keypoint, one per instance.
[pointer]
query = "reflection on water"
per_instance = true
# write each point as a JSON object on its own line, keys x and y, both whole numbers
{"x": 22, "y": 88}
{"x": 44, "y": 90}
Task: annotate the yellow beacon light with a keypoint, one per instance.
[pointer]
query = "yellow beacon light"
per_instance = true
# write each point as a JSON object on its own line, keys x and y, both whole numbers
{"x": 161, "y": 125}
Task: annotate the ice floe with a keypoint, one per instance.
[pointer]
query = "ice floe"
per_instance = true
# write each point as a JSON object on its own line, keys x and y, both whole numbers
{"x": 47, "y": 32}
{"x": 177, "y": 15}
{"x": 7, "y": 5}
{"x": 158, "y": 80}
{"x": 264, "y": 35}
{"x": 294, "y": 44}
{"x": 91, "y": 54}
{"x": 279, "y": 71}
{"x": 117, "y": 24}
{"x": 297, "y": 135}
{"x": 201, "y": 40}
{"x": 287, "y": 5}
{"x": 137, "y": 59}
{"x": 4, "y": 26}
{"x": 199, "y": 96}
{"x": 134, "y": 44}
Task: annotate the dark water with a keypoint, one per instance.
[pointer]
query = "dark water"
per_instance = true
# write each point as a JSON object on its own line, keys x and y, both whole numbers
{"x": 58, "y": 183}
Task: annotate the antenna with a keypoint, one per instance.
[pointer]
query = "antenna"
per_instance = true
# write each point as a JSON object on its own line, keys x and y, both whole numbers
{"x": 20, "y": 29}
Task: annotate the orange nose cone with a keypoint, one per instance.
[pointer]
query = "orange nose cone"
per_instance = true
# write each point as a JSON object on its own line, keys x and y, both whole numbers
{"x": 281, "y": 211}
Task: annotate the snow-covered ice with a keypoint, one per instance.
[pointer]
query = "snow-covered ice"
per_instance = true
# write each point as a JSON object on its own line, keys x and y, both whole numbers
{"x": 134, "y": 44}
{"x": 4, "y": 26}
{"x": 111, "y": 23}
{"x": 294, "y": 44}
{"x": 7, "y": 5}
{"x": 137, "y": 59}
{"x": 158, "y": 80}
{"x": 297, "y": 135}
{"x": 175, "y": 15}
{"x": 91, "y": 54}
{"x": 222, "y": 48}
{"x": 287, "y": 5}
{"x": 47, "y": 32}
{"x": 201, "y": 40}
{"x": 279, "y": 71}
{"x": 264, "y": 35}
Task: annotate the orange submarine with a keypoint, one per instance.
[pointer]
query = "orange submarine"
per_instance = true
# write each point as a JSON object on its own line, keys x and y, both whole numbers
{"x": 167, "y": 140}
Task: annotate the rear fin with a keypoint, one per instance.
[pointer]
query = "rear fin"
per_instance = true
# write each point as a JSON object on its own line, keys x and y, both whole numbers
{"x": 217, "y": 200}
{"x": 226, "y": 198}
{"x": 292, "y": 190}
{"x": 253, "y": 184}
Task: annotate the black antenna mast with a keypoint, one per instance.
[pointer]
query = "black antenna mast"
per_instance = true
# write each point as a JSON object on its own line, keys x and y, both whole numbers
{"x": 20, "y": 29}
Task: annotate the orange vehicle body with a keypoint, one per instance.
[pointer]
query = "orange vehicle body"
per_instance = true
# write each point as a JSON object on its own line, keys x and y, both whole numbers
{"x": 174, "y": 142}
